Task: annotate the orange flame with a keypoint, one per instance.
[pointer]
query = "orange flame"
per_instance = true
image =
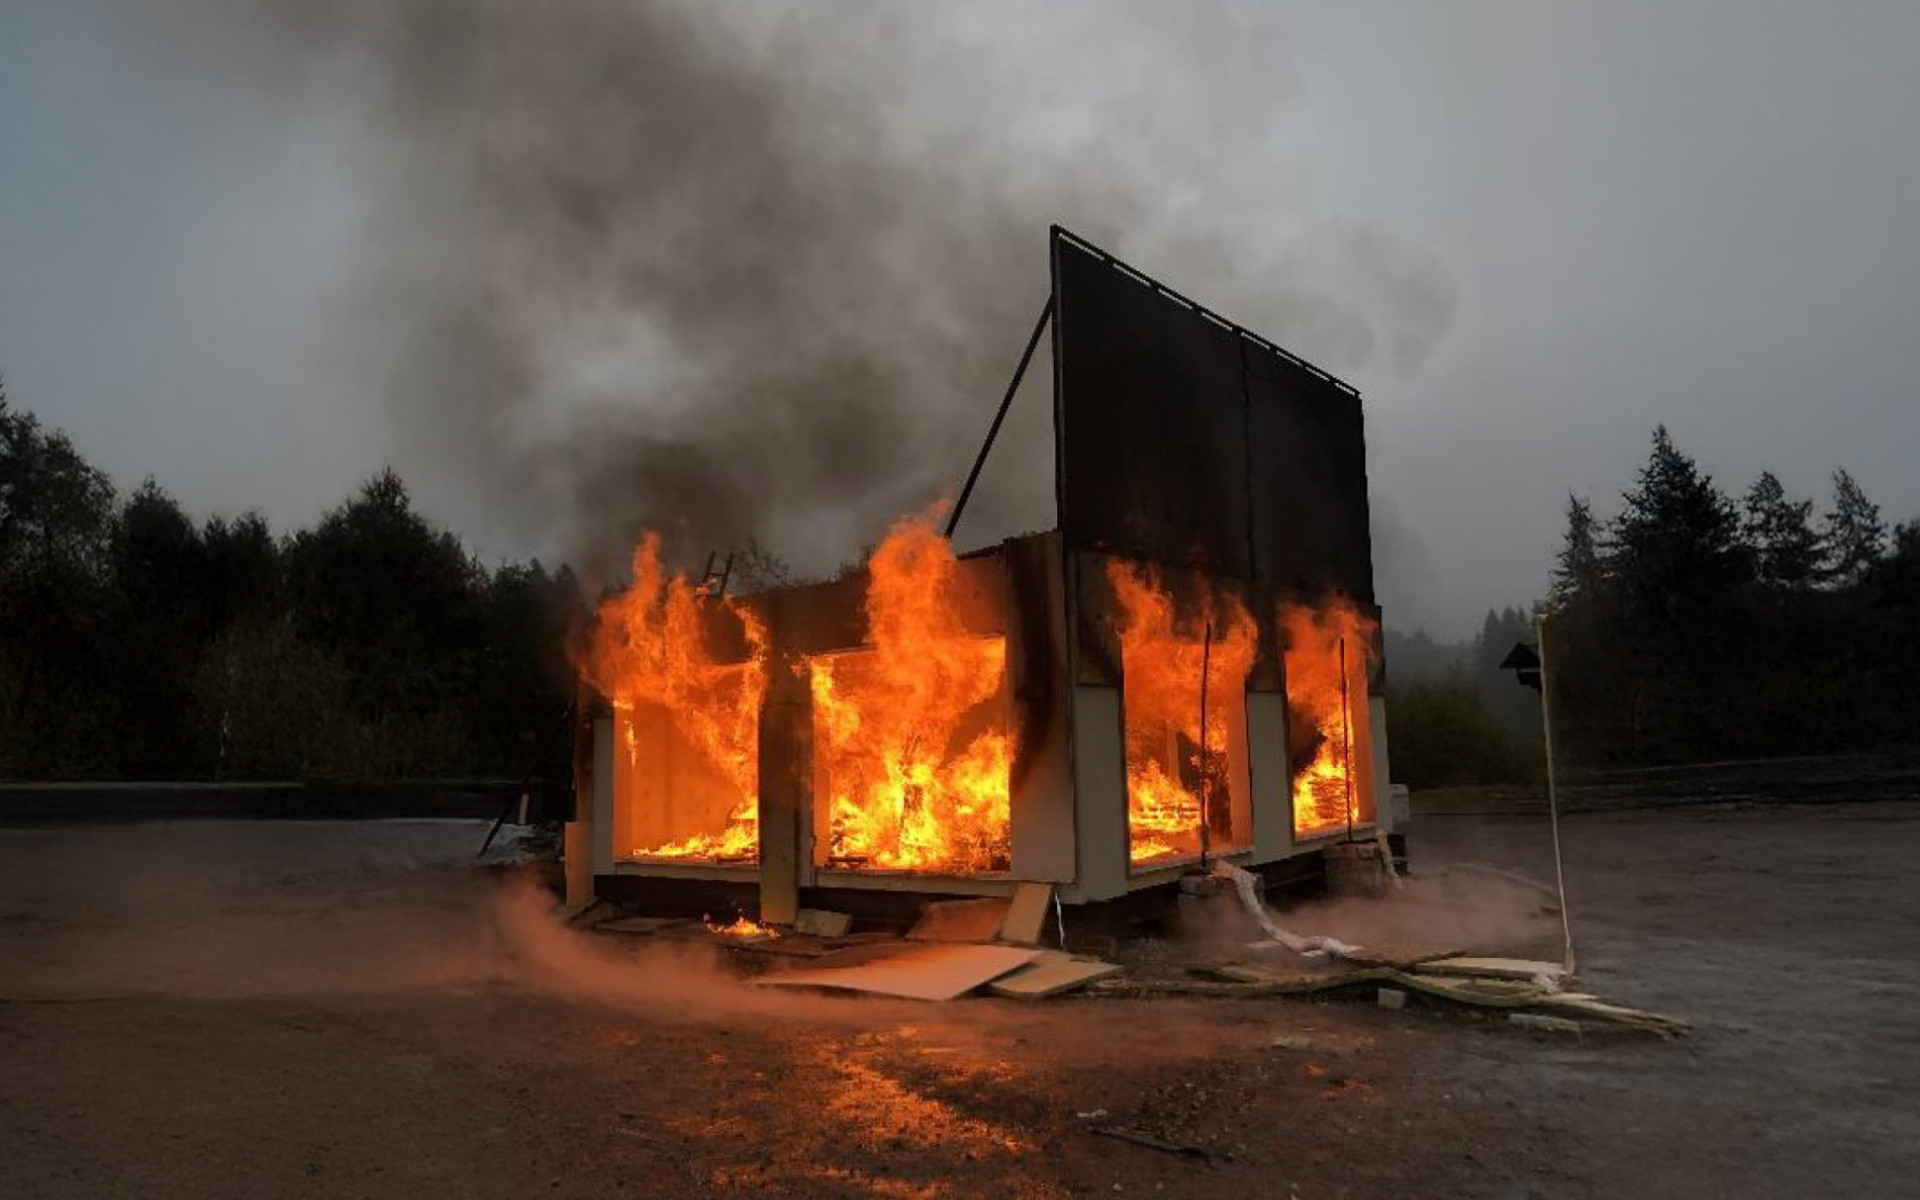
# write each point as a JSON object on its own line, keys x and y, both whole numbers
{"x": 1161, "y": 661}
{"x": 648, "y": 650}
{"x": 1329, "y": 696}
{"x": 742, "y": 929}
{"x": 914, "y": 755}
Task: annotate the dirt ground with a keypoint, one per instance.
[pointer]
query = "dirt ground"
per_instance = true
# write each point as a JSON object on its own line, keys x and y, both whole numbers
{"x": 266, "y": 1009}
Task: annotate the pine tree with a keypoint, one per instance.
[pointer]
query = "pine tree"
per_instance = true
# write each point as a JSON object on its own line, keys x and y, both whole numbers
{"x": 1676, "y": 546}
{"x": 1580, "y": 568}
{"x": 1854, "y": 531}
{"x": 1786, "y": 550}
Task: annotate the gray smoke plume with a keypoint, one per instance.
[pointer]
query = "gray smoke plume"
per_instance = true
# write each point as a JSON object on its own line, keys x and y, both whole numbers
{"x": 762, "y": 271}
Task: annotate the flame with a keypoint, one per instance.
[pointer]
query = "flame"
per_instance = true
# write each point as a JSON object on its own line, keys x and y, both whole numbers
{"x": 743, "y": 929}
{"x": 1161, "y": 662}
{"x": 649, "y": 648}
{"x": 1330, "y": 697}
{"x": 915, "y": 763}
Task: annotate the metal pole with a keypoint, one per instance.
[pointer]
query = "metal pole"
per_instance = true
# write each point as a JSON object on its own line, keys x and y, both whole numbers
{"x": 993, "y": 431}
{"x": 1553, "y": 800}
{"x": 1206, "y": 663}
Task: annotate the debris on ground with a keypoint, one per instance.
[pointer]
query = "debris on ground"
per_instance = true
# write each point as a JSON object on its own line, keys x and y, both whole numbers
{"x": 1027, "y": 913}
{"x": 1051, "y": 974}
{"x": 1516, "y": 994}
{"x": 910, "y": 970}
{"x": 1397, "y": 954}
{"x": 640, "y": 925}
{"x": 1246, "y": 886}
{"x": 1184, "y": 1150}
{"x": 1495, "y": 968}
{"x": 743, "y": 930}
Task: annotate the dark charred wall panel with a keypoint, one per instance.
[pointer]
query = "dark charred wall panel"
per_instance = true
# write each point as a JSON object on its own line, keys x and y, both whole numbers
{"x": 1184, "y": 440}
{"x": 1309, "y": 496}
{"x": 1152, "y": 424}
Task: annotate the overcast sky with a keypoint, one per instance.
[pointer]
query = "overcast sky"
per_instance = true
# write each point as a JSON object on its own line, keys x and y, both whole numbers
{"x": 1538, "y": 229}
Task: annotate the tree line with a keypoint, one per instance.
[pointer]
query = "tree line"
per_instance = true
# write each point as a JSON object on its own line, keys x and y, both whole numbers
{"x": 136, "y": 643}
{"x": 1686, "y": 626}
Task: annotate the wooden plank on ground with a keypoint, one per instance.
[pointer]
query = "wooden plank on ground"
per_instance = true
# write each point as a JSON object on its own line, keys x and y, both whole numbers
{"x": 914, "y": 971}
{"x": 1284, "y": 981}
{"x": 1027, "y": 913}
{"x": 1397, "y": 954}
{"x": 960, "y": 920}
{"x": 1051, "y": 974}
{"x": 1589, "y": 1008}
{"x": 1493, "y": 968}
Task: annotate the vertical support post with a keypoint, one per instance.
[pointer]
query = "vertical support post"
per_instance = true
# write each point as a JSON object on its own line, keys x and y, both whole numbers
{"x": 1206, "y": 832}
{"x": 1346, "y": 735}
{"x": 786, "y": 788}
{"x": 1553, "y": 800}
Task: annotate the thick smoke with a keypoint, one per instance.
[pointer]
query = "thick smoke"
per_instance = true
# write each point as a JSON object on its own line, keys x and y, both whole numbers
{"x": 762, "y": 271}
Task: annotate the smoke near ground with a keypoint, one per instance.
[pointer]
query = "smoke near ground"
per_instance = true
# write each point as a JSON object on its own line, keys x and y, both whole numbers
{"x": 762, "y": 272}
{"x": 236, "y": 909}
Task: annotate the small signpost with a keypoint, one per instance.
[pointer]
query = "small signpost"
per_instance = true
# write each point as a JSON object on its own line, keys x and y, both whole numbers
{"x": 1529, "y": 667}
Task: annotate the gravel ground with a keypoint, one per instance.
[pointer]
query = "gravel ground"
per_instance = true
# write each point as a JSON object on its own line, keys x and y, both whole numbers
{"x": 264, "y": 1009}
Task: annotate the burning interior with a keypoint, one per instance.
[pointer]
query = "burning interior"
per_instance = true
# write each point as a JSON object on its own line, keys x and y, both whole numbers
{"x": 1186, "y": 667}
{"x": 1184, "y": 704}
{"x": 685, "y": 716}
{"x": 912, "y": 752}
{"x": 1329, "y": 647}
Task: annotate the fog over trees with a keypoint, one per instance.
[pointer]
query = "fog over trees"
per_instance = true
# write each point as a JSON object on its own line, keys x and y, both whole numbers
{"x": 1684, "y": 627}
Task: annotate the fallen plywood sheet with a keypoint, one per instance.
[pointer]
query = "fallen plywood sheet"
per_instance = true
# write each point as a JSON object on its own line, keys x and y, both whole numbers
{"x": 821, "y": 923}
{"x": 1027, "y": 913}
{"x": 1493, "y": 968}
{"x": 1397, "y": 954}
{"x": 914, "y": 971}
{"x": 960, "y": 920}
{"x": 1049, "y": 975}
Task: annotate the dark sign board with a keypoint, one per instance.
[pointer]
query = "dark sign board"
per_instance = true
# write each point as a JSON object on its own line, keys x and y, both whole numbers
{"x": 1184, "y": 439}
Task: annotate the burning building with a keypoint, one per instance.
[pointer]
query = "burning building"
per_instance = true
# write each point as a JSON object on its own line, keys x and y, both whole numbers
{"x": 1186, "y": 666}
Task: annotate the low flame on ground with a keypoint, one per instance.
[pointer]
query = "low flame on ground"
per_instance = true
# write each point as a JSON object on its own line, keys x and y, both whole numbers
{"x": 649, "y": 647}
{"x": 1330, "y": 699}
{"x": 915, "y": 757}
{"x": 743, "y": 929}
{"x": 1161, "y": 664}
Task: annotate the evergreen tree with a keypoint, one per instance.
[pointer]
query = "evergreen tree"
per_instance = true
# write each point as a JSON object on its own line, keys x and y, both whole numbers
{"x": 1786, "y": 549}
{"x": 56, "y": 529}
{"x": 395, "y": 599}
{"x": 1581, "y": 568}
{"x": 1855, "y": 532}
{"x": 156, "y": 630}
{"x": 1676, "y": 547}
